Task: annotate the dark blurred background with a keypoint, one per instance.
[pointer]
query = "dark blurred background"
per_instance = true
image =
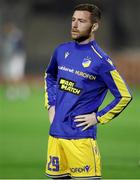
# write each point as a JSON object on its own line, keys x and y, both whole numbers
{"x": 46, "y": 23}
{"x": 29, "y": 32}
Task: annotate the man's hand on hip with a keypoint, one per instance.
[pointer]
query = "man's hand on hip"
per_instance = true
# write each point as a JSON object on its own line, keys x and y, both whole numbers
{"x": 86, "y": 120}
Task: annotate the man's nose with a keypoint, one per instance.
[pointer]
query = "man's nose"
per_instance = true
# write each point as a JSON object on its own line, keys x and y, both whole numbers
{"x": 75, "y": 24}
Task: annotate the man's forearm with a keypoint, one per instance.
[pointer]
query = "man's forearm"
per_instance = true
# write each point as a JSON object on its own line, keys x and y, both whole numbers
{"x": 51, "y": 113}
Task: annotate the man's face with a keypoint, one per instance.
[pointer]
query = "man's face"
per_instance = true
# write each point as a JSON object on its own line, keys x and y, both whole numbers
{"x": 81, "y": 25}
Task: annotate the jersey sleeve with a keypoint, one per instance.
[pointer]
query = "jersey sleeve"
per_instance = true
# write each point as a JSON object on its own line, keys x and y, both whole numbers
{"x": 119, "y": 90}
{"x": 50, "y": 81}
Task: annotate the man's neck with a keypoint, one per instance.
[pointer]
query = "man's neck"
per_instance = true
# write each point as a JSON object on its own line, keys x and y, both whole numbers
{"x": 86, "y": 41}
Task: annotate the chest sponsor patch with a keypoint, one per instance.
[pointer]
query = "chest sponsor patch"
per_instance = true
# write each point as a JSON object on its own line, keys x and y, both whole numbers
{"x": 69, "y": 86}
{"x": 77, "y": 72}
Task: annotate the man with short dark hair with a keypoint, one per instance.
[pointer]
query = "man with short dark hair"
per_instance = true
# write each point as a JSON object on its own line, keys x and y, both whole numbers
{"x": 76, "y": 83}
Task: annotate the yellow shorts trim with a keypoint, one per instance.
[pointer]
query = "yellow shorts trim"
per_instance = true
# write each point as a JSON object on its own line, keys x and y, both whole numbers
{"x": 74, "y": 157}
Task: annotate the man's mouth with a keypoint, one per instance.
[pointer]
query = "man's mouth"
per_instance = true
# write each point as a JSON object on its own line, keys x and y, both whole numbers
{"x": 75, "y": 32}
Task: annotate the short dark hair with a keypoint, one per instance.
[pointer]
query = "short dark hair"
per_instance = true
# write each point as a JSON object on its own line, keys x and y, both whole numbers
{"x": 93, "y": 9}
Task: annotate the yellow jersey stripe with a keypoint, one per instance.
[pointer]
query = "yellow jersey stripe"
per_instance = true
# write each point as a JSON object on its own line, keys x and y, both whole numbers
{"x": 125, "y": 98}
{"x": 120, "y": 84}
{"x": 46, "y": 93}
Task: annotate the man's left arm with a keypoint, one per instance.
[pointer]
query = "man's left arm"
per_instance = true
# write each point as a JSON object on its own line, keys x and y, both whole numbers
{"x": 118, "y": 88}
{"x": 122, "y": 96}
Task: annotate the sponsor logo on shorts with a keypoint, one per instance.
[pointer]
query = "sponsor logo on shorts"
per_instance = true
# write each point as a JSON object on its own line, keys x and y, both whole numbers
{"x": 80, "y": 169}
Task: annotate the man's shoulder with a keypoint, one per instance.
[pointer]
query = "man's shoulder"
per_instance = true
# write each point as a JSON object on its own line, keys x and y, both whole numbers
{"x": 102, "y": 58}
{"x": 100, "y": 53}
{"x": 65, "y": 45}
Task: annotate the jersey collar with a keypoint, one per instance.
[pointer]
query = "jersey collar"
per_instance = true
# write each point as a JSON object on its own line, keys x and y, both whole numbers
{"x": 84, "y": 46}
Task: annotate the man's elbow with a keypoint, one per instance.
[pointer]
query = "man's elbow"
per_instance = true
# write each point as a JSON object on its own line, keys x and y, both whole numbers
{"x": 130, "y": 98}
{"x": 127, "y": 98}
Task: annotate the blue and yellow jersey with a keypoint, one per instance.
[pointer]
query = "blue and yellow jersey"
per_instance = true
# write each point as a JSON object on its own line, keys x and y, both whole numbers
{"x": 76, "y": 83}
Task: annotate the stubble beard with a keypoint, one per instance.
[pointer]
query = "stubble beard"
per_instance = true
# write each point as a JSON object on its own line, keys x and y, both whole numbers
{"x": 81, "y": 37}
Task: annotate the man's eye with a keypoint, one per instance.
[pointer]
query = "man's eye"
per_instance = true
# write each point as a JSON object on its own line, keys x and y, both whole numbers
{"x": 82, "y": 21}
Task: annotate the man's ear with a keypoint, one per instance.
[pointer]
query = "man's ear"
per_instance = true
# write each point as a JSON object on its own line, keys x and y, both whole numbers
{"x": 95, "y": 27}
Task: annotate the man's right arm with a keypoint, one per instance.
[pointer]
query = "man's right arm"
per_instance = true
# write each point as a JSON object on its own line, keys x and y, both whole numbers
{"x": 51, "y": 112}
{"x": 51, "y": 86}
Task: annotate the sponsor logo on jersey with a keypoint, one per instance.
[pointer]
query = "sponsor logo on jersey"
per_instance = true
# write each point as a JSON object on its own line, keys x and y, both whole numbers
{"x": 78, "y": 73}
{"x": 85, "y": 75}
{"x": 66, "y": 54}
{"x": 80, "y": 169}
{"x": 86, "y": 62}
{"x": 69, "y": 86}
